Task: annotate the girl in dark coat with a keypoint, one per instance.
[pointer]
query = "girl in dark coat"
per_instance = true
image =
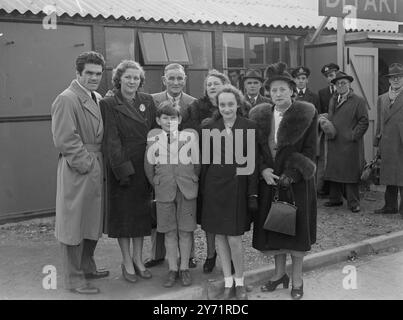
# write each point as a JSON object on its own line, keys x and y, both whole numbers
{"x": 286, "y": 136}
{"x": 201, "y": 111}
{"x": 228, "y": 186}
{"x": 129, "y": 115}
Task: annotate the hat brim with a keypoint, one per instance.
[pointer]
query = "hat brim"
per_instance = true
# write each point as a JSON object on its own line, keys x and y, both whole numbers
{"x": 350, "y": 78}
{"x": 330, "y": 70}
{"x": 279, "y": 78}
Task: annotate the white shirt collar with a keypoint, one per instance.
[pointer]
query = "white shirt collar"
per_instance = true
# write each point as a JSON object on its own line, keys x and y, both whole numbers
{"x": 175, "y": 99}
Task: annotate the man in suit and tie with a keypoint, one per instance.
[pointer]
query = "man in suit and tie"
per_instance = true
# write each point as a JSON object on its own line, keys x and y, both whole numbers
{"x": 252, "y": 82}
{"x": 77, "y": 130}
{"x": 389, "y": 140}
{"x": 329, "y": 72}
{"x": 174, "y": 80}
{"x": 301, "y": 75}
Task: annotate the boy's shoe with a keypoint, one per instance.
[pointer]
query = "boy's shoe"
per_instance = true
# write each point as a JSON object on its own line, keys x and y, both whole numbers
{"x": 192, "y": 263}
{"x": 185, "y": 277}
{"x": 171, "y": 278}
{"x": 152, "y": 263}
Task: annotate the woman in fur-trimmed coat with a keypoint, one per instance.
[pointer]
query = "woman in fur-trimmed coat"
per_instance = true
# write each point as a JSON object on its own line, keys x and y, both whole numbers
{"x": 286, "y": 138}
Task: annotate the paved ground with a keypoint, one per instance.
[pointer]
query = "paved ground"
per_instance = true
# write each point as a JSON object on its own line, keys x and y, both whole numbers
{"x": 378, "y": 277}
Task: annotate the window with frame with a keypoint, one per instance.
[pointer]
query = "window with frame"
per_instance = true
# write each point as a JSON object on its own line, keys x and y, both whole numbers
{"x": 161, "y": 48}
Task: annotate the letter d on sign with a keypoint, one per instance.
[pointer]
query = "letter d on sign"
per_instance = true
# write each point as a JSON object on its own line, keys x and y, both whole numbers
{"x": 50, "y": 21}
{"x": 350, "y": 280}
{"x": 49, "y": 282}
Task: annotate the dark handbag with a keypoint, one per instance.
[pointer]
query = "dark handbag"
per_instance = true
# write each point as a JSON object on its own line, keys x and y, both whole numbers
{"x": 282, "y": 216}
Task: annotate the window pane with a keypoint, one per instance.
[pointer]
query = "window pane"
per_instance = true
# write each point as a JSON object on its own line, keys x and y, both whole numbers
{"x": 201, "y": 49}
{"x": 256, "y": 50}
{"x": 273, "y": 49}
{"x": 176, "y": 48}
{"x": 153, "y": 48}
{"x": 153, "y": 81}
{"x": 119, "y": 45}
{"x": 234, "y": 50}
{"x": 196, "y": 83}
{"x": 287, "y": 58}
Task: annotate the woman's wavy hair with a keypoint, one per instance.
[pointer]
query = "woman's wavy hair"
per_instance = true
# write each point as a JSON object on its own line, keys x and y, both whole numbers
{"x": 121, "y": 69}
{"x": 215, "y": 73}
{"x": 239, "y": 97}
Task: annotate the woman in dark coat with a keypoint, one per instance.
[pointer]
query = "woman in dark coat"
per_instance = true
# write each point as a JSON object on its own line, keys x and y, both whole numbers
{"x": 199, "y": 112}
{"x": 286, "y": 134}
{"x": 128, "y": 115}
{"x": 228, "y": 185}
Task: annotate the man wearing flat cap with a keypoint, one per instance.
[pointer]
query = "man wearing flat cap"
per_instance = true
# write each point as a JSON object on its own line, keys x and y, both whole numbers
{"x": 329, "y": 72}
{"x": 301, "y": 75}
{"x": 252, "y": 82}
{"x": 389, "y": 140}
{"x": 348, "y": 116}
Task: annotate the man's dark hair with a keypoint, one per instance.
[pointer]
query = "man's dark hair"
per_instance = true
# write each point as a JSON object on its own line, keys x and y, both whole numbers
{"x": 89, "y": 57}
{"x": 167, "y": 107}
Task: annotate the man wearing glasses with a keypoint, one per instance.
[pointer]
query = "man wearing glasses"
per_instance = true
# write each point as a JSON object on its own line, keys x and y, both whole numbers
{"x": 389, "y": 140}
{"x": 174, "y": 80}
{"x": 348, "y": 117}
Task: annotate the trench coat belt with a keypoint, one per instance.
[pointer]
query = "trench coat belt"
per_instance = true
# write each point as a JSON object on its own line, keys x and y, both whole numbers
{"x": 93, "y": 147}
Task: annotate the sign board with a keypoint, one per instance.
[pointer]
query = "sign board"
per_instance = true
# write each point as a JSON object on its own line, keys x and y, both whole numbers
{"x": 391, "y": 10}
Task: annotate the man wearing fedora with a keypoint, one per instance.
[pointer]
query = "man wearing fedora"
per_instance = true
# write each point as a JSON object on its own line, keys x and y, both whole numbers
{"x": 301, "y": 75}
{"x": 252, "y": 82}
{"x": 389, "y": 140}
{"x": 348, "y": 115}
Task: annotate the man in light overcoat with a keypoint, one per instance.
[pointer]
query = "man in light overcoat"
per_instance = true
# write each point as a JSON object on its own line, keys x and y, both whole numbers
{"x": 77, "y": 130}
{"x": 389, "y": 140}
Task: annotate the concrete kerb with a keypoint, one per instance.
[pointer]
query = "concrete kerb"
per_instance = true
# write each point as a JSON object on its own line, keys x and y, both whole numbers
{"x": 209, "y": 290}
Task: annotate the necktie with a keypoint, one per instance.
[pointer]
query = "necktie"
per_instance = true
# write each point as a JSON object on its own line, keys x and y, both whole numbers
{"x": 94, "y": 97}
{"x": 301, "y": 93}
{"x": 169, "y": 138}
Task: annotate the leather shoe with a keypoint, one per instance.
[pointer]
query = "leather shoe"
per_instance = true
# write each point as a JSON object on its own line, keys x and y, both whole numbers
{"x": 192, "y": 263}
{"x": 152, "y": 263}
{"x": 146, "y": 274}
{"x": 297, "y": 293}
{"x": 240, "y": 293}
{"x": 185, "y": 277}
{"x": 210, "y": 264}
{"x": 171, "y": 278}
{"x": 385, "y": 210}
{"x": 355, "y": 209}
{"x": 227, "y": 294}
{"x": 128, "y": 276}
{"x": 97, "y": 274}
{"x": 333, "y": 204}
{"x": 87, "y": 289}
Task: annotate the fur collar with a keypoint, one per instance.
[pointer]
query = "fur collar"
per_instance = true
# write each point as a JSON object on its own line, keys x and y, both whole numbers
{"x": 296, "y": 121}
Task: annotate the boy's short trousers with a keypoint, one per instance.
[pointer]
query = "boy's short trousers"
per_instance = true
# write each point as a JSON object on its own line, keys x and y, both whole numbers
{"x": 179, "y": 214}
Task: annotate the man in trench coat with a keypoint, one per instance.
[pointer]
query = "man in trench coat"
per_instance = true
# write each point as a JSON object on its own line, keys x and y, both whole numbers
{"x": 389, "y": 140}
{"x": 77, "y": 130}
{"x": 345, "y": 157}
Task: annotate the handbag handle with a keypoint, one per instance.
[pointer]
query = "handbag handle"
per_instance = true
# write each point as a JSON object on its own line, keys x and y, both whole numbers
{"x": 276, "y": 194}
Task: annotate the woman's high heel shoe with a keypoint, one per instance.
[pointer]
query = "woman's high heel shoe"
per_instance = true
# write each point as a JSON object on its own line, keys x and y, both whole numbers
{"x": 209, "y": 264}
{"x": 146, "y": 274}
{"x": 272, "y": 285}
{"x": 297, "y": 293}
{"x": 128, "y": 276}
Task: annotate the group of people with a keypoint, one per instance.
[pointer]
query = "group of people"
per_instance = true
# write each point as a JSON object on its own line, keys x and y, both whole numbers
{"x": 130, "y": 165}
